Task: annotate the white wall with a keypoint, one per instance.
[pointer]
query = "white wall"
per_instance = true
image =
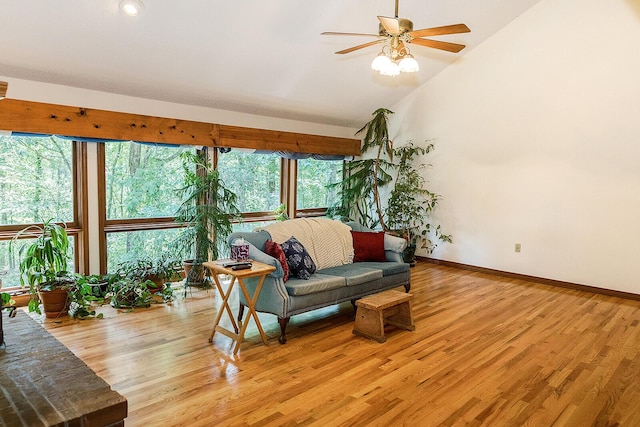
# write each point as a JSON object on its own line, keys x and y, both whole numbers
{"x": 537, "y": 135}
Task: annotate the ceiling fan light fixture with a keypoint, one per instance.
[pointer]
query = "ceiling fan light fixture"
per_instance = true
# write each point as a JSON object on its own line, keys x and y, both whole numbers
{"x": 132, "y": 7}
{"x": 408, "y": 64}
{"x": 380, "y": 62}
{"x": 392, "y": 69}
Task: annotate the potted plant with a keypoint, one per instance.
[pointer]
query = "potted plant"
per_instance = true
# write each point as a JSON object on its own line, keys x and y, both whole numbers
{"x": 157, "y": 270}
{"x": 43, "y": 267}
{"x": 124, "y": 292}
{"x": 207, "y": 210}
{"x": 411, "y": 203}
{"x": 363, "y": 178}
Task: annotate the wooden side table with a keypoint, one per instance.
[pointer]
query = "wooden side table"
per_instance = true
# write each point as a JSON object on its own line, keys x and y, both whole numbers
{"x": 258, "y": 269}
{"x": 390, "y": 307}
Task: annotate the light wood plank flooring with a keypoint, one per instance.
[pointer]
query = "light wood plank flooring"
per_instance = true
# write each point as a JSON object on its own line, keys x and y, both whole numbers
{"x": 486, "y": 350}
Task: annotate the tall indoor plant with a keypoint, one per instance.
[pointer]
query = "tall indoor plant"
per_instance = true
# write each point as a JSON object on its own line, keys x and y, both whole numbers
{"x": 207, "y": 211}
{"x": 363, "y": 178}
{"x": 410, "y": 203}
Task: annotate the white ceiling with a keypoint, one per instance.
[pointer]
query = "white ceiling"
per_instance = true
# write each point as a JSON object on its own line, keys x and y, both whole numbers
{"x": 260, "y": 57}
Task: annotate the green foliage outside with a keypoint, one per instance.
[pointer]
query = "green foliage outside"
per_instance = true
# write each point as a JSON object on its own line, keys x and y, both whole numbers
{"x": 36, "y": 179}
{"x": 255, "y": 178}
{"x": 37, "y": 182}
{"x": 313, "y": 177}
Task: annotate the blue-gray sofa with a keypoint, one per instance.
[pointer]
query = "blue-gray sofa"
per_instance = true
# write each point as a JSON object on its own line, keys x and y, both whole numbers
{"x": 327, "y": 286}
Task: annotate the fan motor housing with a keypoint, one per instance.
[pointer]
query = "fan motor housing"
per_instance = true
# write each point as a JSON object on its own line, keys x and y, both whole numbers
{"x": 404, "y": 24}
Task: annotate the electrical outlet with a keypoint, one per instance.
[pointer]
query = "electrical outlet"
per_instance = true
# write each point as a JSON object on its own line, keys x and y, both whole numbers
{"x": 518, "y": 247}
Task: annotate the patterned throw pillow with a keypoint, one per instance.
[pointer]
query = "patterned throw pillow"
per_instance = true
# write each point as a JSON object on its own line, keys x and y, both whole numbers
{"x": 300, "y": 263}
{"x": 275, "y": 250}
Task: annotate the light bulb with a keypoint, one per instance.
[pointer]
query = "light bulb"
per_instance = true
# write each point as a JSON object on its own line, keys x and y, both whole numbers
{"x": 132, "y": 7}
{"x": 391, "y": 69}
{"x": 380, "y": 62}
{"x": 408, "y": 64}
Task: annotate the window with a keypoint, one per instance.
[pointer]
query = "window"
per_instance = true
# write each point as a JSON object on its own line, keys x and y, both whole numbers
{"x": 38, "y": 182}
{"x": 141, "y": 183}
{"x": 255, "y": 178}
{"x": 36, "y": 179}
{"x": 142, "y": 179}
{"x": 312, "y": 194}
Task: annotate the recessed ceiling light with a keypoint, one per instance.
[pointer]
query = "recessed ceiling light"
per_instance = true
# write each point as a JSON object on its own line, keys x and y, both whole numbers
{"x": 132, "y": 7}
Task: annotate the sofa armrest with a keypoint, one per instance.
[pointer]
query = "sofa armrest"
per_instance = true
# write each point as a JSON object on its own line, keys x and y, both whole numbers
{"x": 394, "y": 247}
{"x": 259, "y": 256}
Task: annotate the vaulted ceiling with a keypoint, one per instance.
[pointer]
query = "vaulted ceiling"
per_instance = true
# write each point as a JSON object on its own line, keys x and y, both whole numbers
{"x": 260, "y": 57}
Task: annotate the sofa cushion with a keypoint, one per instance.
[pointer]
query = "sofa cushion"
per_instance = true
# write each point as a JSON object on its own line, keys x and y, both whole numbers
{"x": 368, "y": 246}
{"x": 316, "y": 283}
{"x": 300, "y": 263}
{"x": 388, "y": 268}
{"x": 275, "y": 250}
{"x": 354, "y": 274}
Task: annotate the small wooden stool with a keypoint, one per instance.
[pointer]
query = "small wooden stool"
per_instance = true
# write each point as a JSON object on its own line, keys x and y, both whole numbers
{"x": 390, "y": 307}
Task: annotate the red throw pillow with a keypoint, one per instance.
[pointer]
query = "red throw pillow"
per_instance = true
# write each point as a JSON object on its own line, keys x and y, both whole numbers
{"x": 368, "y": 246}
{"x": 275, "y": 250}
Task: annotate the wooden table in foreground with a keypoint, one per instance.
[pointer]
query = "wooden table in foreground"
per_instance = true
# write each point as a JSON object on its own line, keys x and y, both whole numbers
{"x": 258, "y": 269}
{"x": 42, "y": 383}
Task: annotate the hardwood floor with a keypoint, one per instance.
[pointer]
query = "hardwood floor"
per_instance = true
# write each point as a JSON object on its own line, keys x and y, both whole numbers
{"x": 487, "y": 350}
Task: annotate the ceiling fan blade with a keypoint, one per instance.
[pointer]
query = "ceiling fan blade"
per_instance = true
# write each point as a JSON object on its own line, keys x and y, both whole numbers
{"x": 391, "y": 25}
{"x": 332, "y": 33}
{"x": 436, "y": 44}
{"x": 438, "y": 31}
{"x": 351, "y": 49}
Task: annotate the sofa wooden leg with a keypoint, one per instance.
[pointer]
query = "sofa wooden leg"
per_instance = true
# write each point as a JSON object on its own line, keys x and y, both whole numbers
{"x": 240, "y": 312}
{"x": 283, "y": 321}
{"x": 355, "y": 308}
{"x": 407, "y": 287}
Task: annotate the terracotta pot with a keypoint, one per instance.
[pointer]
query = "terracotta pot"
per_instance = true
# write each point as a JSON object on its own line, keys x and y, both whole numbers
{"x": 196, "y": 277}
{"x": 55, "y": 302}
{"x": 157, "y": 281}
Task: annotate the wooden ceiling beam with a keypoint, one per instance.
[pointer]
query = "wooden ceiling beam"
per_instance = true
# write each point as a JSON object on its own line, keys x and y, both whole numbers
{"x": 36, "y": 117}
{"x": 262, "y": 139}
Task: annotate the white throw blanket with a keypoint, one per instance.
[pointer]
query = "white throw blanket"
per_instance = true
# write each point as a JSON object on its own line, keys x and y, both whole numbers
{"x": 328, "y": 242}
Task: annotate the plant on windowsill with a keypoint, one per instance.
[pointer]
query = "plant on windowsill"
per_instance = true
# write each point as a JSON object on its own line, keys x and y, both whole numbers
{"x": 411, "y": 204}
{"x": 207, "y": 210}
{"x": 43, "y": 268}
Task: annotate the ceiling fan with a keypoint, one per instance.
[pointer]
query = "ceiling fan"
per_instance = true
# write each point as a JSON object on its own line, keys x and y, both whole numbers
{"x": 397, "y": 33}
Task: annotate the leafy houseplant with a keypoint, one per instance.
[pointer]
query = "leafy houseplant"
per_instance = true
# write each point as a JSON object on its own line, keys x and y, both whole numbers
{"x": 363, "y": 178}
{"x": 411, "y": 204}
{"x": 43, "y": 266}
{"x": 157, "y": 270}
{"x": 207, "y": 210}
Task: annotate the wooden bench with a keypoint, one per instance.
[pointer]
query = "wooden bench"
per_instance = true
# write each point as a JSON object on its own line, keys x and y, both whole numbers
{"x": 390, "y": 307}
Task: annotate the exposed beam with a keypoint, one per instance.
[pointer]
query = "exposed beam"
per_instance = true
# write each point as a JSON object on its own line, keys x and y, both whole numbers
{"x": 261, "y": 139}
{"x": 35, "y": 117}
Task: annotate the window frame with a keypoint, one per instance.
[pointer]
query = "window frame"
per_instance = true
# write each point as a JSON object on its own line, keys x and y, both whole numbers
{"x": 307, "y": 212}
{"x": 120, "y": 225}
{"x": 74, "y": 228}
